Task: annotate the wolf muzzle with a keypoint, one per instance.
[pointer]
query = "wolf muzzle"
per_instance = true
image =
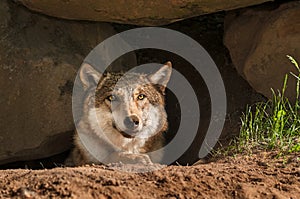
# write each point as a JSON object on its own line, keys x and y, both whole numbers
{"x": 131, "y": 122}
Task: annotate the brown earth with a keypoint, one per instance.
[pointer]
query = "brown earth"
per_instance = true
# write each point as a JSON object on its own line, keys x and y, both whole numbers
{"x": 260, "y": 175}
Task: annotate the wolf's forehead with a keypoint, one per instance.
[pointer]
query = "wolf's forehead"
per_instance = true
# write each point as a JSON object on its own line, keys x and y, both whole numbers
{"x": 119, "y": 82}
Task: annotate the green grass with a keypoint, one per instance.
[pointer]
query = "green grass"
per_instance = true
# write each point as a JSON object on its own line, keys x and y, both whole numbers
{"x": 271, "y": 125}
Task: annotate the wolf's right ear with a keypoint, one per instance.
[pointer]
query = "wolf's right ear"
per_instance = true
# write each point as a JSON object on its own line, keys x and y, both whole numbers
{"x": 88, "y": 76}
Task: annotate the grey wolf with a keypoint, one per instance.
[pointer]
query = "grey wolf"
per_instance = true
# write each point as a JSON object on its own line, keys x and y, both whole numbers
{"x": 123, "y": 120}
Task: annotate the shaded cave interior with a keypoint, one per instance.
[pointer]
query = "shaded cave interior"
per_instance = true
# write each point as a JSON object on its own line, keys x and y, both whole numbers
{"x": 208, "y": 31}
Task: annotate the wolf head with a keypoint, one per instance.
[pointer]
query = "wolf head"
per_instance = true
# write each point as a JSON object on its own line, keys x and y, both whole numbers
{"x": 131, "y": 104}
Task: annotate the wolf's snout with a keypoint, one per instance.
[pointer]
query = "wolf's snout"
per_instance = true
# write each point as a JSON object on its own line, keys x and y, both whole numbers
{"x": 131, "y": 122}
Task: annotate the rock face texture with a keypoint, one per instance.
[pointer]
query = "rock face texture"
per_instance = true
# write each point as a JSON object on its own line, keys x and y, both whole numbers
{"x": 154, "y": 12}
{"x": 259, "y": 40}
{"x": 39, "y": 59}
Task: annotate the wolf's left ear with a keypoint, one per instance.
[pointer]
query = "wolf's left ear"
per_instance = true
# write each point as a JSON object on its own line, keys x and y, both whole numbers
{"x": 88, "y": 75}
{"x": 162, "y": 76}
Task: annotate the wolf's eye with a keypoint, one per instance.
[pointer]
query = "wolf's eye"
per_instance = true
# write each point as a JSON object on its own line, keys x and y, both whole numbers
{"x": 111, "y": 98}
{"x": 141, "y": 96}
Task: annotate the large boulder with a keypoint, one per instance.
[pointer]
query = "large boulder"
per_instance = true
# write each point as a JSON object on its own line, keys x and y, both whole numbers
{"x": 259, "y": 40}
{"x": 39, "y": 58}
{"x": 145, "y": 12}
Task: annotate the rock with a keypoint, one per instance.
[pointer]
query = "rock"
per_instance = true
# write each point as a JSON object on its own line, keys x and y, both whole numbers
{"x": 39, "y": 58}
{"x": 259, "y": 40}
{"x": 155, "y": 12}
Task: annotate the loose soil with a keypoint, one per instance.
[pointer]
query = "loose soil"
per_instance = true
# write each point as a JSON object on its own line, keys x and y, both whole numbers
{"x": 260, "y": 175}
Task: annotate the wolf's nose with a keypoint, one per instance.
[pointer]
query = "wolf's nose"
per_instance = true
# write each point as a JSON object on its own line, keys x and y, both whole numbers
{"x": 131, "y": 122}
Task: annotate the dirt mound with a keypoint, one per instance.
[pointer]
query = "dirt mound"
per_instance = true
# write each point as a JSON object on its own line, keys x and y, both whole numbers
{"x": 257, "y": 176}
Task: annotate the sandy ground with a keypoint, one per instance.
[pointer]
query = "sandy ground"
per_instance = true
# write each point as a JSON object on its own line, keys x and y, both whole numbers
{"x": 257, "y": 176}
